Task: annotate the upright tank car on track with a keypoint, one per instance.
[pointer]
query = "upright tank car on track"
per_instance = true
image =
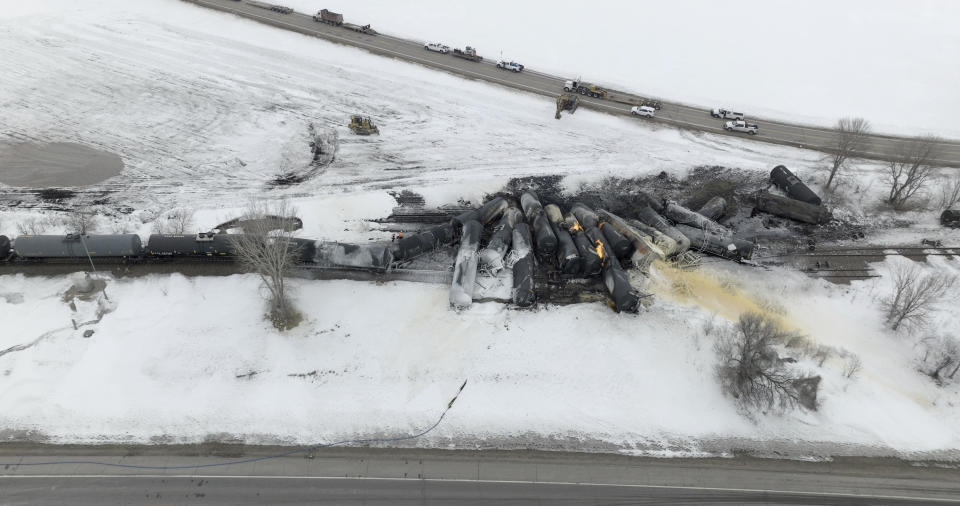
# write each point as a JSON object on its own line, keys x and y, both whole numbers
{"x": 78, "y": 246}
{"x": 205, "y": 244}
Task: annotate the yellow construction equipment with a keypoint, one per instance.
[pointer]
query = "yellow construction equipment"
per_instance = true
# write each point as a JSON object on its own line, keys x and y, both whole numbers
{"x": 363, "y": 125}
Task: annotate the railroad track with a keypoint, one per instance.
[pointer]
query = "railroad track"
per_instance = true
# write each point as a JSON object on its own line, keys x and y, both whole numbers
{"x": 871, "y": 251}
{"x": 847, "y": 264}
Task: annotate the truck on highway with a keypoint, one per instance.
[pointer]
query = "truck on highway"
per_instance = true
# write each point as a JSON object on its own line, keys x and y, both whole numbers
{"x": 437, "y": 47}
{"x": 584, "y": 89}
{"x": 336, "y": 19}
{"x": 509, "y": 65}
{"x": 726, "y": 114}
{"x": 741, "y": 126}
{"x": 467, "y": 53}
{"x": 328, "y": 17}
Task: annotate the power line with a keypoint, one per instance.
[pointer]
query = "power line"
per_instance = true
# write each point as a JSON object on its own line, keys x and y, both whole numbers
{"x": 253, "y": 459}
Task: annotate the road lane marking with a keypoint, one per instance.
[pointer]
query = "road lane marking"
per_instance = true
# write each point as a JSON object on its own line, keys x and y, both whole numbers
{"x": 515, "y": 482}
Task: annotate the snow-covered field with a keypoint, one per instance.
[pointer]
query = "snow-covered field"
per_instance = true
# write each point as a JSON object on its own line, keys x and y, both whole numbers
{"x": 204, "y": 108}
{"x": 886, "y": 60}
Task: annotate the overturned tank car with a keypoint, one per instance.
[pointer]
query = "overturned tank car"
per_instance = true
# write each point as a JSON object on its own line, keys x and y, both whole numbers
{"x": 948, "y": 218}
{"x": 788, "y": 183}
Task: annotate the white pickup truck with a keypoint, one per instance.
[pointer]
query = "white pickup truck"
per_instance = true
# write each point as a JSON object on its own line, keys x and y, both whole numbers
{"x": 509, "y": 65}
{"x": 437, "y": 47}
{"x": 741, "y": 126}
{"x": 726, "y": 114}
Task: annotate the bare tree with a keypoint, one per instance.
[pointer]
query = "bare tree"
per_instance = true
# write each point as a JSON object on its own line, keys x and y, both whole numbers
{"x": 267, "y": 247}
{"x": 941, "y": 358}
{"x": 80, "y": 221}
{"x": 851, "y": 365}
{"x": 950, "y": 192}
{"x": 178, "y": 221}
{"x": 181, "y": 220}
{"x": 911, "y": 169}
{"x": 914, "y": 294}
{"x": 33, "y": 226}
{"x": 751, "y": 371}
{"x": 851, "y": 137}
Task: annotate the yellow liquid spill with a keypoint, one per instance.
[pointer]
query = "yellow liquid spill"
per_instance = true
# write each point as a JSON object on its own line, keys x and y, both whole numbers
{"x": 708, "y": 292}
{"x": 712, "y": 294}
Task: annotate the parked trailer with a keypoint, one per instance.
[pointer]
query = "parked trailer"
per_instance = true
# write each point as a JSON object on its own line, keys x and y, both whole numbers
{"x": 467, "y": 53}
{"x": 271, "y": 7}
{"x": 328, "y": 17}
{"x": 78, "y": 246}
{"x": 648, "y": 102}
{"x": 360, "y": 28}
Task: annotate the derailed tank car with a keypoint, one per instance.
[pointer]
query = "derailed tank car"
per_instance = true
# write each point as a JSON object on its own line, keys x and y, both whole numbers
{"x": 4, "y": 247}
{"x": 948, "y": 218}
{"x": 77, "y": 246}
{"x": 413, "y": 245}
{"x": 305, "y": 249}
{"x": 788, "y": 183}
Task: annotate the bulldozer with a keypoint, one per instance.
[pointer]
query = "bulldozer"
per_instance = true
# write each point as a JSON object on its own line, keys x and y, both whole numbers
{"x": 567, "y": 102}
{"x": 363, "y": 125}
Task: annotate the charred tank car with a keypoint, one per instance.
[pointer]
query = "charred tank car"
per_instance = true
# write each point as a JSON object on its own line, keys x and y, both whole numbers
{"x": 788, "y": 183}
{"x": 78, "y": 246}
{"x": 305, "y": 249}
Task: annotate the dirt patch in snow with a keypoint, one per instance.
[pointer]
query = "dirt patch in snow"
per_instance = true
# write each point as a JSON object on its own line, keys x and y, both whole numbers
{"x": 36, "y": 165}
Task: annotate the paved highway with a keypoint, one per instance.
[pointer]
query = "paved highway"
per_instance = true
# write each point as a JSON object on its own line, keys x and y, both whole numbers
{"x": 882, "y": 147}
{"x": 443, "y": 477}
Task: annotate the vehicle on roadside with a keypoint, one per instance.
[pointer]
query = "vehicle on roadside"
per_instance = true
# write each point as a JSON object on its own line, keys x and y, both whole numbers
{"x": 726, "y": 114}
{"x": 281, "y": 9}
{"x": 584, "y": 89}
{"x": 741, "y": 126}
{"x": 509, "y": 65}
{"x": 437, "y": 47}
{"x": 328, "y": 17}
{"x": 643, "y": 110}
{"x": 467, "y": 53}
{"x": 649, "y": 102}
{"x": 360, "y": 28}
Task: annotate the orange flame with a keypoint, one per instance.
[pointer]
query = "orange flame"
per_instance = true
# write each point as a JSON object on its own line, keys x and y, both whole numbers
{"x": 599, "y": 249}
{"x": 576, "y": 227}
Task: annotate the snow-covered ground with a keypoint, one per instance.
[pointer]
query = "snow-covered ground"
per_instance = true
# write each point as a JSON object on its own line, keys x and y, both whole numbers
{"x": 183, "y": 359}
{"x": 205, "y": 107}
{"x": 886, "y": 60}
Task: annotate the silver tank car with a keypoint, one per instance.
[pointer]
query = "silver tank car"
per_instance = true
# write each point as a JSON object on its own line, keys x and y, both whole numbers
{"x": 77, "y": 246}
